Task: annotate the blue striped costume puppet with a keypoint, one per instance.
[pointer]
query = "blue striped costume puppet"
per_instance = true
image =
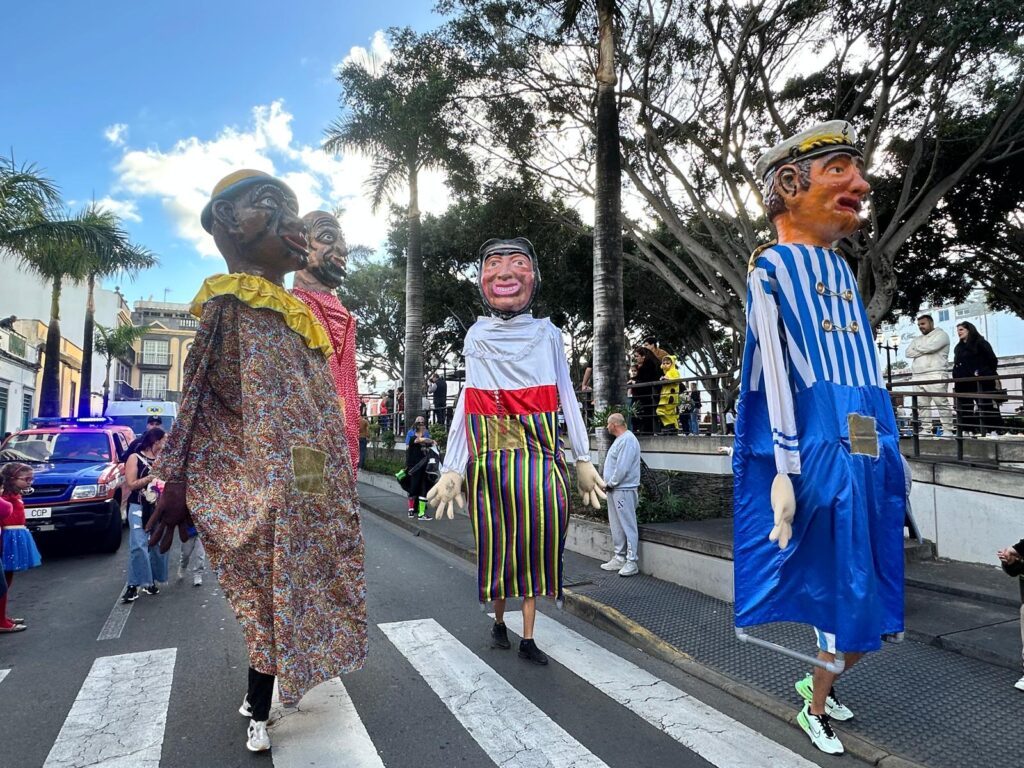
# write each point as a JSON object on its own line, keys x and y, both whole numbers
{"x": 505, "y": 438}
{"x": 819, "y": 482}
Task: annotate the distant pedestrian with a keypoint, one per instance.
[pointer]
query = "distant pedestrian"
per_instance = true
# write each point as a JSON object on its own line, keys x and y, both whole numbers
{"x": 419, "y": 447}
{"x": 695, "y": 405}
{"x": 648, "y": 370}
{"x": 364, "y": 439}
{"x": 192, "y": 552}
{"x": 730, "y": 420}
{"x": 439, "y": 398}
{"x": 651, "y": 343}
{"x": 147, "y": 567}
{"x": 383, "y": 417}
{"x": 1012, "y": 559}
{"x": 930, "y": 353}
{"x": 973, "y": 357}
{"x": 668, "y": 398}
{"x": 19, "y": 548}
{"x": 151, "y": 423}
{"x": 622, "y": 485}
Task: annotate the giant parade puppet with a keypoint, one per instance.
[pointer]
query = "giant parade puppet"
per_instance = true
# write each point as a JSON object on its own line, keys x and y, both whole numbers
{"x": 505, "y": 438}
{"x": 315, "y": 286}
{"x": 819, "y": 482}
{"x": 258, "y": 458}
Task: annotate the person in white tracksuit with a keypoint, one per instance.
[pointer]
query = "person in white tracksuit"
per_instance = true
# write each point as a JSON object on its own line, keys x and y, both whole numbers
{"x": 930, "y": 353}
{"x": 622, "y": 484}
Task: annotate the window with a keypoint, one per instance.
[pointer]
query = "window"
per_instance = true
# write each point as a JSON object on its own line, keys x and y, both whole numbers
{"x": 74, "y": 400}
{"x": 3, "y": 408}
{"x": 943, "y": 315}
{"x": 154, "y": 386}
{"x": 155, "y": 352}
{"x": 26, "y": 409}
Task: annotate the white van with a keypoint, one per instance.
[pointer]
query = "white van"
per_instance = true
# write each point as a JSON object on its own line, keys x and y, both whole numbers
{"x": 134, "y": 413}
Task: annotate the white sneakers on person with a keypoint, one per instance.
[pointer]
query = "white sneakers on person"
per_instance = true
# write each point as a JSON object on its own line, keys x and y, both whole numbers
{"x": 819, "y": 729}
{"x": 629, "y": 569}
{"x": 181, "y": 572}
{"x": 1019, "y": 685}
{"x": 197, "y": 580}
{"x": 245, "y": 710}
{"x": 834, "y": 708}
{"x": 614, "y": 564}
{"x": 259, "y": 739}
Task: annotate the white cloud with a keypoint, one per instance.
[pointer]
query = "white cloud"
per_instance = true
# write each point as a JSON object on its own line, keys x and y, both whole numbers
{"x": 127, "y": 210}
{"x": 182, "y": 176}
{"x": 116, "y": 134}
{"x": 370, "y": 59}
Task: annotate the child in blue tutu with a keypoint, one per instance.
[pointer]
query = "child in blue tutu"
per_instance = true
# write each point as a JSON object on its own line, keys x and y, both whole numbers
{"x": 19, "y": 549}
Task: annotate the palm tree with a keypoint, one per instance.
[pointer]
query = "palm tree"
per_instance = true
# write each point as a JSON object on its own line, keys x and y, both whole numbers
{"x": 403, "y": 116}
{"x": 609, "y": 359}
{"x": 115, "y": 343}
{"x": 113, "y": 257}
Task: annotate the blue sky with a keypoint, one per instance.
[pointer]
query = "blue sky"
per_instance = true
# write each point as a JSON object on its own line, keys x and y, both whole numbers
{"x": 145, "y": 105}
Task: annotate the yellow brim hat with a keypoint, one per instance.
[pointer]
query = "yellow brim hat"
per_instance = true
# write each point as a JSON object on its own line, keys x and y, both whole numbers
{"x": 230, "y": 184}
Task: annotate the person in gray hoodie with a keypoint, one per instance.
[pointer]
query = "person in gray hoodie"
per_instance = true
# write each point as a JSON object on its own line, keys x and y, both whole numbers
{"x": 622, "y": 484}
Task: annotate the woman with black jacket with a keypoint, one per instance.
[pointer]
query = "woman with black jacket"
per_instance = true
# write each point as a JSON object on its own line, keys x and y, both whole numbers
{"x": 973, "y": 357}
{"x": 645, "y": 396}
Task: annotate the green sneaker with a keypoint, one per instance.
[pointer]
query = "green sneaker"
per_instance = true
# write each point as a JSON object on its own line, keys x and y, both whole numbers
{"x": 819, "y": 730}
{"x": 833, "y": 707}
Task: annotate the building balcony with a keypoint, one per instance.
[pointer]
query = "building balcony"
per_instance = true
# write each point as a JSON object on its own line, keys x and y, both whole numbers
{"x": 17, "y": 346}
{"x": 152, "y": 361}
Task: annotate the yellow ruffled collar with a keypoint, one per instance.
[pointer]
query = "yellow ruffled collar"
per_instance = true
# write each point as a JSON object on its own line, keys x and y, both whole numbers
{"x": 260, "y": 293}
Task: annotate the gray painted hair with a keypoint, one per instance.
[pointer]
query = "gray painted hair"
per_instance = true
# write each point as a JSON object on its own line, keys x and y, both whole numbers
{"x": 774, "y": 203}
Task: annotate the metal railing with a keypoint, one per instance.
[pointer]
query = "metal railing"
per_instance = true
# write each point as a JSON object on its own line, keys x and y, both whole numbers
{"x": 978, "y": 407}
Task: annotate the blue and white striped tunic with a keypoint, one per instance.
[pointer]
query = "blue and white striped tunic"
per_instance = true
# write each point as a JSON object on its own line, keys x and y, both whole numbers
{"x": 812, "y": 405}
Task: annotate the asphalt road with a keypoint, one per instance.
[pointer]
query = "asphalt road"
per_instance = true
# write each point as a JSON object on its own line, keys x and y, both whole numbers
{"x": 165, "y": 689}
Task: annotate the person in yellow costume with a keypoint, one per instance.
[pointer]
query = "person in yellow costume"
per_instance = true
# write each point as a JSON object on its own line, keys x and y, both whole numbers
{"x": 258, "y": 457}
{"x": 668, "y": 401}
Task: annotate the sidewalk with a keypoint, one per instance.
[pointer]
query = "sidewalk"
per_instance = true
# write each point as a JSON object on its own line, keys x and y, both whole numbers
{"x": 923, "y": 701}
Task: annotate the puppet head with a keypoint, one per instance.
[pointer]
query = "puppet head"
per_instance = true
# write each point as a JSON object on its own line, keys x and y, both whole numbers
{"x": 509, "y": 276}
{"x": 254, "y": 220}
{"x": 328, "y": 254}
{"x": 814, "y": 184}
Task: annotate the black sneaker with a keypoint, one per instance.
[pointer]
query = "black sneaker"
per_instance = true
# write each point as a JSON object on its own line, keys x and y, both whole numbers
{"x": 528, "y": 650}
{"x": 412, "y": 513}
{"x": 131, "y": 594}
{"x": 152, "y": 589}
{"x": 499, "y": 637}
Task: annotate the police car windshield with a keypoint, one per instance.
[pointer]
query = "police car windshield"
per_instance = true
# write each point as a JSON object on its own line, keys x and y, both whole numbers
{"x": 90, "y": 447}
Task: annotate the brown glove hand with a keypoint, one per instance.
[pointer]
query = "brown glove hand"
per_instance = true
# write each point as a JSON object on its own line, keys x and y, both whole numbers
{"x": 171, "y": 512}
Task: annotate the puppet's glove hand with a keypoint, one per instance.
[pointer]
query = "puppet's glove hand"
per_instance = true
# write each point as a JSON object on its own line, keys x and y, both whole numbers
{"x": 784, "y": 507}
{"x": 447, "y": 494}
{"x": 171, "y": 512}
{"x": 590, "y": 483}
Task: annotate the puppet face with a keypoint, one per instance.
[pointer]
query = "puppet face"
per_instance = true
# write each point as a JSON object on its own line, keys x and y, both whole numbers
{"x": 263, "y": 220}
{"x": 328, "y": 254}
{"x": 507, "y": 281}
{"x": 831, "y": 205}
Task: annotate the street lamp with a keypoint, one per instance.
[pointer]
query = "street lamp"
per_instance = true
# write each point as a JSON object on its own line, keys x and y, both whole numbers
{"x": 892, "y": 346}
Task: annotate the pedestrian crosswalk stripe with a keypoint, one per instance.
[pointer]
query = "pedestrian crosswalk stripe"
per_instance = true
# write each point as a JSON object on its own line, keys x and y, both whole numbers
{"x": 3, "y": 674}
{"x": 714, "y": 736}
{"x": 119, "y": 716}
{"x": 324, "y": 729}
{"x": 511, "y": 730}
{"x": 115, "y": 622}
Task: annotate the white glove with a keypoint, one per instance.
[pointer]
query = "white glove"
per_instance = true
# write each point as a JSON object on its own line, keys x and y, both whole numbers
{"x": 784, "y": 507}
{"x": 590, "y": 483}
{"x": 446, "y": 494}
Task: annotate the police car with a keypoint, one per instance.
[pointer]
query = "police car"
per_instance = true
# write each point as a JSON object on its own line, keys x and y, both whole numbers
{"x": 78, "y": 479}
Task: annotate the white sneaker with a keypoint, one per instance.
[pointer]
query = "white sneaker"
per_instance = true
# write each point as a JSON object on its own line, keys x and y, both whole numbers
{"x": 834, "y": 708}
{"x": 181, "y": 572}
{"x": 819, "y": 729}
{"x": 245, "y": 710}
{"x": 259, "y": 739}
{"x": 197, "y": 580}
{"x": 629, "y": 569}
{"x": 1019, "y": 685}
{"x": 614, "y": 564}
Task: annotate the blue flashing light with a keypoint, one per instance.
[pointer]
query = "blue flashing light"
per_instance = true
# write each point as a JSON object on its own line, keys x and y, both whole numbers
{"x": 70, "y": 421}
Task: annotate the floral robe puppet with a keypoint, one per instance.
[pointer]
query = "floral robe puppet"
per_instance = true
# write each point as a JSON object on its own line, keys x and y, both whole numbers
{"x": 819, "y": 482}
{"x": 315, "y": 286}
{"x": 258, "y": 457}
{"x": 504, "y": 437}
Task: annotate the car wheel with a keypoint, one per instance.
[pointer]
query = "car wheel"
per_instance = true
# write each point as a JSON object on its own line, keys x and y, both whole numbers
{"x": 110, "y": 538}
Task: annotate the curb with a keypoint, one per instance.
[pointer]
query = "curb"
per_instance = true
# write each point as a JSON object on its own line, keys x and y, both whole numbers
{"x": 615, "y": 623}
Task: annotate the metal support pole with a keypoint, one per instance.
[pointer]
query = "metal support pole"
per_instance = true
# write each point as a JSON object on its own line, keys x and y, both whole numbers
{"x": 835, "y": 667}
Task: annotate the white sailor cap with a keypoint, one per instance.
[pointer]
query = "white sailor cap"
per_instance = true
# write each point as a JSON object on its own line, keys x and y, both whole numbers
{"x": 821, "y": 139}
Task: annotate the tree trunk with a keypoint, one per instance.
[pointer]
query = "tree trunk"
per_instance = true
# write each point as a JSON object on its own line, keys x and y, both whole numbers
{"x": 413, "y": 374}
{"x": 49, "y": 395}
{"x": 106, "y": 386}
{"x": 609, "y": 358}
{"x": 85, "y": 391}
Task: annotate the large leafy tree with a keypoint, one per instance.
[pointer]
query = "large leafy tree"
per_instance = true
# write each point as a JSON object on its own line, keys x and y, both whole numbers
{"x": 404, "y": 116}
{"x": 113, "y": 344}
{"x": 114, "y": 256}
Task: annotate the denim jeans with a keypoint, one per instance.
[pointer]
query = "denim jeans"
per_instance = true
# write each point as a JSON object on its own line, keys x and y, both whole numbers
{"x": 145, "y": 563}
{"x": 694, "y": 422}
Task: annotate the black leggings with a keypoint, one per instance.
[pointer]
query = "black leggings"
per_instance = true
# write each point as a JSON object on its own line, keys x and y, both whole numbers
{"x": 261, "y": 691}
